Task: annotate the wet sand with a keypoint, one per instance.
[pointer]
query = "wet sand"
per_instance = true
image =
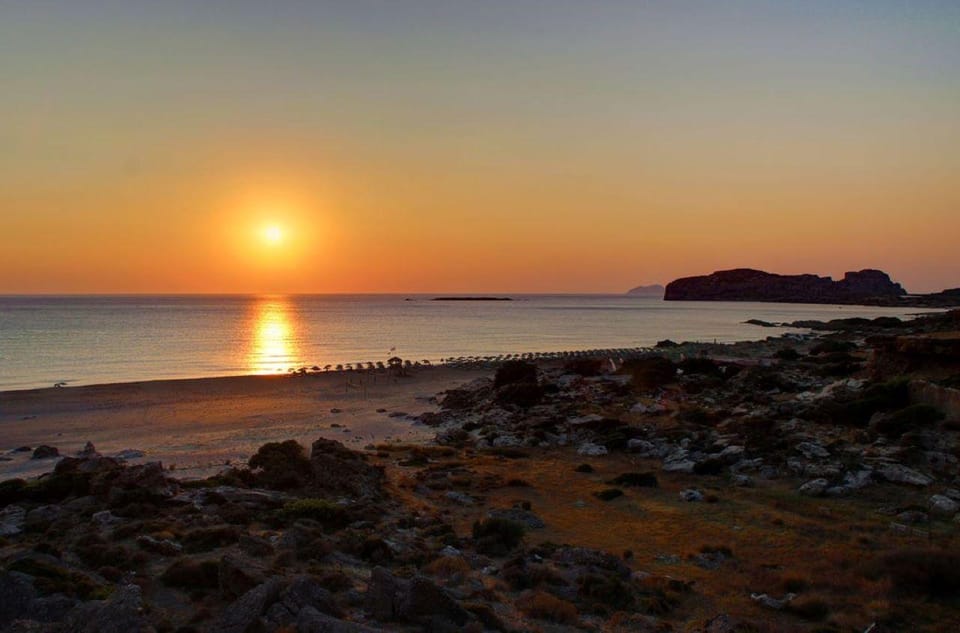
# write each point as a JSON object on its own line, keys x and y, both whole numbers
{"x": 199, "y": 425}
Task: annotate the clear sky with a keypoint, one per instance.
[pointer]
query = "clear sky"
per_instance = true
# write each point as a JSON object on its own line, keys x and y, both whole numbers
{"x": 490, "y": 145}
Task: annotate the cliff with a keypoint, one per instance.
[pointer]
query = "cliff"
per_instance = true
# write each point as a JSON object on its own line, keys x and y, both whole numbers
{"x": 745, "y": 284}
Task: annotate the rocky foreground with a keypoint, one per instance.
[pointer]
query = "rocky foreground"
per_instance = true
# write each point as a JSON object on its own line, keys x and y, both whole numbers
{"x": 802, "y": 483}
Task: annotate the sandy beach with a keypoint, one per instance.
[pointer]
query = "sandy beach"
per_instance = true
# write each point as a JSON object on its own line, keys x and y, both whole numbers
{"x": 198, "y": 425}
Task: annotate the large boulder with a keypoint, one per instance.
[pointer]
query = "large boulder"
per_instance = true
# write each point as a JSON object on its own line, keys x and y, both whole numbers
{"x": 121, "y": 613}
{"x": 338, "y": 471}
{"x": 245, "y": 613}
{"x": 417, "y": 600}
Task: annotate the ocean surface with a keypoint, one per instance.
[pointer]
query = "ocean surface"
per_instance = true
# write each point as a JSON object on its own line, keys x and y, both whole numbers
{"x": 99, "y": 339}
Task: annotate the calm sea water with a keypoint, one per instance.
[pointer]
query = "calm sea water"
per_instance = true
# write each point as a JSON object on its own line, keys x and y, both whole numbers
{"x": 86, "y": 340}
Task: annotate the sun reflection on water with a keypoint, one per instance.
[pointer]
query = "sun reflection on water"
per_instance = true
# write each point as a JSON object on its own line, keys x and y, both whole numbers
{"x": 274, "y": 344}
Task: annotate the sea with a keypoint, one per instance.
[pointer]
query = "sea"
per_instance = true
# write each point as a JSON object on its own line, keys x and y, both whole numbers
{"x": 81, "y": 340}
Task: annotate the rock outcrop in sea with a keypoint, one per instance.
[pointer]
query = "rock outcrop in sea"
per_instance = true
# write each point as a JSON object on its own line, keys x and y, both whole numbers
{"x": 747, "y": 284}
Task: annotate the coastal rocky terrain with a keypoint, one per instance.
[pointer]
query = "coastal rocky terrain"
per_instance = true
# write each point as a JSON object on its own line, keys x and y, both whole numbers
{"x": 805, "y": 482}
{"x": 866, "y": 287}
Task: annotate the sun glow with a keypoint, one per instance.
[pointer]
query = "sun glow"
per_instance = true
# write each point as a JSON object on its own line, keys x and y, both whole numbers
{"x": 273, "y": 234}
{"x": 273, "y": 343}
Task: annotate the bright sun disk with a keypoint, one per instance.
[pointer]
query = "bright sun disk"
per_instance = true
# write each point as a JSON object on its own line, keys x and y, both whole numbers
{"x": 273, "y": 234}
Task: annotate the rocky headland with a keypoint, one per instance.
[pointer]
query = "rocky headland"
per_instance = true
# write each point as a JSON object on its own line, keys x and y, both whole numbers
{"x": 865, "y": 287}
{"x": 805, "y": 482}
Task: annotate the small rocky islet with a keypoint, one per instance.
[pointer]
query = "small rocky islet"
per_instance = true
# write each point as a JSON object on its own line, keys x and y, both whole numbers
{"x": 800, "y": 483}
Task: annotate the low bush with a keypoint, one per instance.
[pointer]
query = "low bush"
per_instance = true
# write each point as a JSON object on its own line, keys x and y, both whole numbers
{"x": 909, "y": 418}
{"x": 197, "y": 577}
{"x": 513, "y": 372}
{"x": 497, "y": 537}
{"x": 636, "y": 480}
{"x": 609, "y": 494}
{"x": 925, "y": 572}
{"x": 281, "y": 465}
{"x": 328, "y": 514}
{"x": 649, "y": 374}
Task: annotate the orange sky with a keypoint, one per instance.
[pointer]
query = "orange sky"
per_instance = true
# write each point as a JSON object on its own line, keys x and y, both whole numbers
{"x": 508, "y": 147}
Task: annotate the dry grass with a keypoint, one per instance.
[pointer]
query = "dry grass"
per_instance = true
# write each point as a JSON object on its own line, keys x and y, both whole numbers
{"x": 447, "y": 566}
{"x": 782, "y": 541}
{"x": 545, "y": 606}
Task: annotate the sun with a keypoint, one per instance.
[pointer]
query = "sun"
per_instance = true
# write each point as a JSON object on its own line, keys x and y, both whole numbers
{"x": 273, "y": 234}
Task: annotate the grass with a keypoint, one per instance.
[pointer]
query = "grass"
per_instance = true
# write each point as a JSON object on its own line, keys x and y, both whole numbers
{"x": 544, "y": 606}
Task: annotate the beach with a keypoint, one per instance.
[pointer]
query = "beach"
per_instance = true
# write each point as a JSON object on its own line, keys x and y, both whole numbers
{"x": 197, "y": 426}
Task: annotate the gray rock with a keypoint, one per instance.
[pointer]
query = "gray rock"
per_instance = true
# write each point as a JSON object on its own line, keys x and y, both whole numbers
{"x": 246, "y": 611}
{"x": 12, "y": 519}
{"x": 89, "y": 451}
{"x": 691, "y": 495}
{"x": 812, "y": 450}
{"x": 309, "y": 620}
{"x": 943, "y": 506}
{"x": 519, "y": 515}
{"x": 16, "y": 596}
{"x": 742, "y": 481}
{"x": 394, "y": 599}
{"x": 772, "y": 603}
{"x": 51, "y": 608}
{"x": 460, "y": 498}
{"x": 900, "y": 474}
{"x": 121, "y": 613}
{"x": 590, "y": 449}
{"x": 105, "y": 519}
{"x": 238, "y": 575}
{"x": 305, "y": 592}
{"x": 814, "y": 488}
{"x": 164, "y": 547}
{"x": 41, "y": 518}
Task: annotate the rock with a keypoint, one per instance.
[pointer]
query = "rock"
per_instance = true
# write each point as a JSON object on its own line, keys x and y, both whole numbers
{"x": 129, "y": 453}
{"x": 88, "y": 452}
{"x": 745, "y": 284}
{"x": 592, "y": 450}
{"x": 239, "y": 575}
{"x": 121, "y": 613}
{"x": 943, "y": 506}
{"x": 305, "y": 592}
{"x": 677, "y": 462}
{"x": 42, "y": 517}
{"x": 814, "y": 488}
{"x": 22, "y": 449}
{"x": 12, "y": 519}
{"x": 812, "y": 450}
{"x": 245, "y": 612}
{"x": 256, "y": 546}
{"x": 164, "y": 547}
{"x": 309, "y": 620}
{"x": 772, "y": 603}
{"x": 45, "y": 452}
{"x": 341, "y": 472}
{"x": 518, "y": 515}
{"x": 742, "y": 481}
{"x": 418, "y": 600}
{"x": 900, "y": 474}
{"x": 691, "y": 495}
{"x": 105, "y": 519}
{"x": 460, "y": 498}
{"x": 16, "y": 596}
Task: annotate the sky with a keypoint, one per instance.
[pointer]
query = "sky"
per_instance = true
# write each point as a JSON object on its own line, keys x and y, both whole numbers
{"x": 455, "y": 146}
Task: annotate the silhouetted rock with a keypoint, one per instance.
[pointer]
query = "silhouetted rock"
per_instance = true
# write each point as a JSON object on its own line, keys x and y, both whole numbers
{"x": 746, "y": 284}
{"x": 45, "y": 452}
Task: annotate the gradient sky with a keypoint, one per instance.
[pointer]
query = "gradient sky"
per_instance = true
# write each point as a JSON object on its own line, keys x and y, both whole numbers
{"x": 491, "y": 145}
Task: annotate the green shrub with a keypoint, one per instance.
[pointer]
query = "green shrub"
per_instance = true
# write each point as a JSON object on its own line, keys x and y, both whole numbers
{"x": 328, "y": 514}
{"x": 909, "y": 418}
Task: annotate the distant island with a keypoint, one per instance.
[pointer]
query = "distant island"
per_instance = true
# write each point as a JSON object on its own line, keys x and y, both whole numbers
{"x": 472, "y": 299}
{"x": 654, "y": 290}
{"x": 865, "y": 287}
